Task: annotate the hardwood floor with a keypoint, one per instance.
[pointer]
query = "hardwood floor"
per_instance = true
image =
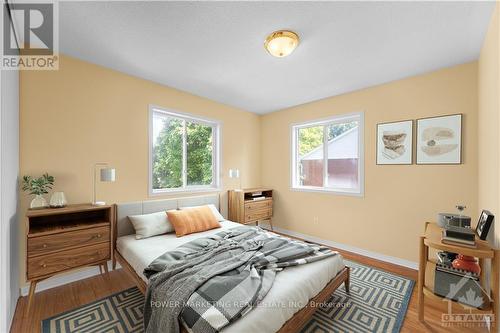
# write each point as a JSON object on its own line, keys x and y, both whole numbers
{"x": 53, "y": 301}
{"x": 50, "y": 302}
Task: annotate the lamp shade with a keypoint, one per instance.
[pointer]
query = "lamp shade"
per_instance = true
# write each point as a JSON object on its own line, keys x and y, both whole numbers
{"x": 234, "y": 173}
{"x": 107, "y": 175}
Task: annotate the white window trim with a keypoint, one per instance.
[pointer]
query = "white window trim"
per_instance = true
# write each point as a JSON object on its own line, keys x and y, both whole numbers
{"x": 294, "y": 186}
{"x": 216, "y": 160}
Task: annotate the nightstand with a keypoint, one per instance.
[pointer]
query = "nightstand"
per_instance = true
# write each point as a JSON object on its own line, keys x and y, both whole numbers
{"x": 251, "y": 205}
{"x": 62, "y": 239}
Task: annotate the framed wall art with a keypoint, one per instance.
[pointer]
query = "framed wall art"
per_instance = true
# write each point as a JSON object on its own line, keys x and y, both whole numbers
{"x": 395, "y": 143}
{"x": 484, "y": 224}
{"x": 439, "y": 140}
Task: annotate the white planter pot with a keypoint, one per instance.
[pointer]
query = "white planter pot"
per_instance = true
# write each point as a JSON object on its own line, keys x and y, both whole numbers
{"x": 58, "y": 200}
{"x": 38, "y": 202}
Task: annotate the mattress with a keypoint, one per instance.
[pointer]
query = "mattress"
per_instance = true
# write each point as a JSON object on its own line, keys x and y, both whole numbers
{"x": 292, "y": 288}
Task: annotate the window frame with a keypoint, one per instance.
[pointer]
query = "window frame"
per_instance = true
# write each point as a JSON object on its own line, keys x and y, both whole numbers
{"x": 216, "y": 156}
{"x": 294, "y": 128}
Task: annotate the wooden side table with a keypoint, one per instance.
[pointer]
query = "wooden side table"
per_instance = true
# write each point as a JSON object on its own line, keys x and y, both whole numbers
{"x": 432, "y": 239}
{"x": 245, "y": 210}
{"x": 62, "y": 239}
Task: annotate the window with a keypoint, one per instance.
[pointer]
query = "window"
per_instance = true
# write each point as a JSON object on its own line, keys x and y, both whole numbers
{"x": 184, "y": 152}
{"x": 327, "y": 155}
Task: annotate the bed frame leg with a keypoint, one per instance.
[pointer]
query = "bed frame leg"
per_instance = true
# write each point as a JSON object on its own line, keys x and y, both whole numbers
{"x": 347, "y": 280}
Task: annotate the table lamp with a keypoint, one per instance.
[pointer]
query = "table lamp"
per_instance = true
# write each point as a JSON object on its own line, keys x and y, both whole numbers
{"x": 106, "y": 174}
{"x": 235, "y": 173}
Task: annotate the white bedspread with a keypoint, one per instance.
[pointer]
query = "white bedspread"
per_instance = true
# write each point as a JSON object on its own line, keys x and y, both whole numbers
{"x": 292, "y": 288}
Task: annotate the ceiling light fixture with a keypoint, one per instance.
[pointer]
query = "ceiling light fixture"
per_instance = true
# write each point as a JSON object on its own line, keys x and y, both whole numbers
{"x": 281, "y": 43}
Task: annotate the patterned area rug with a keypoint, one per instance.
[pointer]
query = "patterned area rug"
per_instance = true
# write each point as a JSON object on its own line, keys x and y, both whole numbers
{"x": 118, "y": 313}
{"x": 377, "y": 303}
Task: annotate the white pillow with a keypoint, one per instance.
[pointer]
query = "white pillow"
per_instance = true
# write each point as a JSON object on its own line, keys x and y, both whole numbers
{"x": 218, "y": 216}
{"x": 148, "y": 225}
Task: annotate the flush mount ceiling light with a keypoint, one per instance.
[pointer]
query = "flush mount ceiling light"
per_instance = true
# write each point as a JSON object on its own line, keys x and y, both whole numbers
{"x": 281, "y": 43}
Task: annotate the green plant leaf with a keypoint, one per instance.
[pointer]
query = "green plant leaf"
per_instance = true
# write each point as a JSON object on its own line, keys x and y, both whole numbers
{"x": 37, "y": 186}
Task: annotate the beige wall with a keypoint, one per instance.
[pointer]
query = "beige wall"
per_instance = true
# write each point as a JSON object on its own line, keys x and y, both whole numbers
{"x": 489, "y": 122}
{"x": 398, "y": 199}
{"x": 83, "y": 114}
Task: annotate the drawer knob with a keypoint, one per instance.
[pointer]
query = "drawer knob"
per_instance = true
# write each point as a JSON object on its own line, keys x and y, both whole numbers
{"x": 44, "y": 246}
{"x": 99, "y": 235}
{"x": 44, "y": 265}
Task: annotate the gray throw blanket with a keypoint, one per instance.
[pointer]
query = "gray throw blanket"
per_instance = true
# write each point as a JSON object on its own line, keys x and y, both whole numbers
{"x": 212, "y": 281}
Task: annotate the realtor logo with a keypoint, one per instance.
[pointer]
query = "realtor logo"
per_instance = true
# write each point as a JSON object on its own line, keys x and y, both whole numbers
{"x": 471, "y": 299}
{"x": 30, "y": 39}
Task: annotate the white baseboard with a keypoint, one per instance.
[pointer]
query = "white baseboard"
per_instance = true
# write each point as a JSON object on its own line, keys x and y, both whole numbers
{"x": 349, "y": 248}
{"x": 60, "y": 280}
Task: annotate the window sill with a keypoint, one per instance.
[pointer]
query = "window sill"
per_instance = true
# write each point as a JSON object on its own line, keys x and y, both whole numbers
{"x": 328, "y": 191}
{"x": 153, "y": 193}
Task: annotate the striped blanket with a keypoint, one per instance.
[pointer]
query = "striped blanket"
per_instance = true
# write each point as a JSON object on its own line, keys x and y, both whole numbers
{"x": 212, "y": 281}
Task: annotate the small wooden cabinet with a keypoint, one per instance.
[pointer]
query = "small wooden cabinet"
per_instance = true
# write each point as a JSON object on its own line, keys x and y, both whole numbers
{"x": 62, "y": 239}
{"x": 251, "y": 205}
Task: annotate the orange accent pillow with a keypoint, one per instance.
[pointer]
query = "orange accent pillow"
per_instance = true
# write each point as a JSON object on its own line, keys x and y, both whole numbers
{"x": 191, "y": 220}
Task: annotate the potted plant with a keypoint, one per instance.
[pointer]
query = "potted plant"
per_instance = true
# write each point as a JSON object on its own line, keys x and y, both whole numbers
{"x": 38, "y": 187}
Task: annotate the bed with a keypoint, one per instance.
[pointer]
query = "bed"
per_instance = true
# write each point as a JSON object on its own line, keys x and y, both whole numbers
{"x": 298, "y": 286}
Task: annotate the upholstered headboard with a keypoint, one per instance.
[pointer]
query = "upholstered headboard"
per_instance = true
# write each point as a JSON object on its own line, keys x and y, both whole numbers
{"x": 123, "y": 210}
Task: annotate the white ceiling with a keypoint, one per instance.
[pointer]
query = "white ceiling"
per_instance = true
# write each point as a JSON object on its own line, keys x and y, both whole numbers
{"x": 215, "y": 49}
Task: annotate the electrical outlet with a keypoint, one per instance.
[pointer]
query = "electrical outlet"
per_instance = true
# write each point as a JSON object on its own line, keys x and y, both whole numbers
{"x": 315, "y": 219}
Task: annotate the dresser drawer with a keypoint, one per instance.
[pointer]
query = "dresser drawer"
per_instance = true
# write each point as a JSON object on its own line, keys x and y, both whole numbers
{"x": 258, "y": 206}
{"x": 258, "y": 215}
{"x": 50, "y": 243}
{"x": 61, "y": 261}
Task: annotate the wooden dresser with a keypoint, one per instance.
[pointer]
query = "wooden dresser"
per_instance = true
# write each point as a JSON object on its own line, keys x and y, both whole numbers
{"x": 251, "y": 205}
{"x": 62, "y": 239}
